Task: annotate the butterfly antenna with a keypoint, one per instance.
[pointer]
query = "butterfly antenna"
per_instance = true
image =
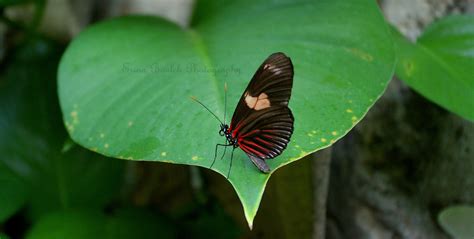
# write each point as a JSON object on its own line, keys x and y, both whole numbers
{"x": 225, "y": 100}
{"x": 196, "y": 100}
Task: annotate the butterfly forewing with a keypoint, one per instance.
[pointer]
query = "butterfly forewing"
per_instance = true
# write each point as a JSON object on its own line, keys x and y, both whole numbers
{"x": 262, "y": 122}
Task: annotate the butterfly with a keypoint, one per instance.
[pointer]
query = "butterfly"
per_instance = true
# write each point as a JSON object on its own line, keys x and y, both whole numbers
{"x": 262, "y": 123}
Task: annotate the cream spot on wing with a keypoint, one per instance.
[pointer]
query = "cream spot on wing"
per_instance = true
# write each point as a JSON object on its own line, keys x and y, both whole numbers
{"x": 257, "y": 103}
{"x": 249, "y": 100}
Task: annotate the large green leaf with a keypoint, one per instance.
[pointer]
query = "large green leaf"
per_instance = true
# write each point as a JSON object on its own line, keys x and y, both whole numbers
{"x": 127, "y": 223}
{"x": 33, "y": 169}
{"x": 125, "y": 84}
{"x": 440, "y": 65}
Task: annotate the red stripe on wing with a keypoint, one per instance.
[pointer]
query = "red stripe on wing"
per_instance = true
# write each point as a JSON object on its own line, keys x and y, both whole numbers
{"x": 249, "y": 150}
{"x": 250, "y": 133}
{"x": 252, "y": 144}
{"x": 264, "y": 142}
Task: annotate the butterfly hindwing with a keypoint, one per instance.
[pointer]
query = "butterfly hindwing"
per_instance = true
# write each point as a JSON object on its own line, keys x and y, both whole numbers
{"x": 262, "y": 121}
{"x": 266, "y": 134}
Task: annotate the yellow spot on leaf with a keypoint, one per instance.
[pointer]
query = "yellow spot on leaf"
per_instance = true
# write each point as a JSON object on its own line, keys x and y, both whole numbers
{"x": 106, "y": 146}
{"x": 194, "y": 158}
{"x": 324, "y": 140}
{"x": 310, "y": 134}
{"x": 349, "y": 111}
{"x": 74, "y": 114}
{"x": 371, "y": 100}
{"x": 354, "y": 118}
{"x": 334, "y": 133}
{"x": 163, "y": 154}
{"x": 332, "y": 141}
{"x": 130, "y": 123}
{"x": 409, "y": 67}
{"x": 102, "y": 135}
{"x": 302, "y": 154}
{"x": 297, "y": 146}
{"x": 361, "y": 54}
{"x": 94, "y": 149}
{"x": 69, "y": 126}
{"x": 314, "y": 131}
{"x": 350, "y": 101}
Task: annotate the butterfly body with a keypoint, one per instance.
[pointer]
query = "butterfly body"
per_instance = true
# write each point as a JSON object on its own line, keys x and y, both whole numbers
{"x": 262, "y": 123}
{"x": 228, "y": 135}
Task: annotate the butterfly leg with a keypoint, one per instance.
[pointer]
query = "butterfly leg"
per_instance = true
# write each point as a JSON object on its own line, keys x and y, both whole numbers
{"x": 215, "y": 152}
{"x": 231, "y": 157}
{"x": 225, "y": 148}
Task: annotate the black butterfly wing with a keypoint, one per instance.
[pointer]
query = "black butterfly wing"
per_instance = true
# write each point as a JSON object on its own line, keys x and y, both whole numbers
{"x": 262, "y": 121}
{"x": 274, "y": 78}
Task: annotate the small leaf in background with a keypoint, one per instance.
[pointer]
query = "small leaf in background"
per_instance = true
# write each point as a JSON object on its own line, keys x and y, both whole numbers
{"x": 84, "y": 223}
{"x": 124, "y": 84}
{"x": 458, "y": 221}
{"x": 440, "y": 65}
{"x": 69, "y": 224}
{"x": 4, "y": 3}
{"x": 33, "y": 168}
{"x": 137, "y": 223}
{"x": 3, "y": 236}
{"x": 13, "y": 194}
